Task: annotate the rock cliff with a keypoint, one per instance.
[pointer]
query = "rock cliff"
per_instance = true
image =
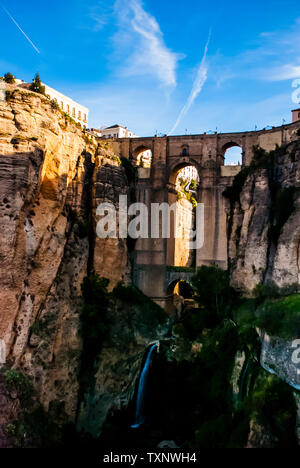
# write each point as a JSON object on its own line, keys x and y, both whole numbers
{"x": 83, "y": 365}
{"x": 263, "y": 220}
{"x": 53, "y": 176}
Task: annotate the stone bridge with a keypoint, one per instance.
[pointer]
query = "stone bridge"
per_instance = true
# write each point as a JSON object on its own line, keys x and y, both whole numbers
{"x": 157, "y": 185}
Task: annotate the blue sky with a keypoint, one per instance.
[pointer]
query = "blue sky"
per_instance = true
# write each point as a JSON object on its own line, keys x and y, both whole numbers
{"x": 153, "y": 64}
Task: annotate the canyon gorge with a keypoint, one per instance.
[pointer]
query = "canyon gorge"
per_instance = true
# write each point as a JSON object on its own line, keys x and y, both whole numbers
{"x": 79, "y": 314}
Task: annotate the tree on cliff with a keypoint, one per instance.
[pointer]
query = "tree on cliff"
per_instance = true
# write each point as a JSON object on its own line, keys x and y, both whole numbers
{"x": 213, "y": 290}
{"x": 37, "y": 86}
{"x": 9, "y": 78}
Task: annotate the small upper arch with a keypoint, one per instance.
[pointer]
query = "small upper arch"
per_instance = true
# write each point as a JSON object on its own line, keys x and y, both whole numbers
{"x": 232, "y": 154}
{"x": 143, "y": 156}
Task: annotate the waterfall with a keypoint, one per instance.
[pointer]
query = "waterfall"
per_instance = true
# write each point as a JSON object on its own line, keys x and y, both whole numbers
{"x": 141, "y": 394}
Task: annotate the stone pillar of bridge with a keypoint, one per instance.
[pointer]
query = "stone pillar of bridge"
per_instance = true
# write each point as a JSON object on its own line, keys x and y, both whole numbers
{"x": 210, "y": 192}
{"x": 150, "y": 254}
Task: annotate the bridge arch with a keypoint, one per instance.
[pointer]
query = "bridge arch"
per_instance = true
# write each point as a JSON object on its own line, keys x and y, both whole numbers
{"x": 236, "y": 155}
{"x": 142, "y": 156}
{"x": 186, "y": 290}
{"x": 177, "y": 166}
{"x": 179, "y": 292}
{"x": 182, "y": 193}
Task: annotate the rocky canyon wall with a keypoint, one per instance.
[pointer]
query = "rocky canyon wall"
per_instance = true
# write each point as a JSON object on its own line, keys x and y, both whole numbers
{"x": 263, "y": 221}
{"x": 53, "y": 176}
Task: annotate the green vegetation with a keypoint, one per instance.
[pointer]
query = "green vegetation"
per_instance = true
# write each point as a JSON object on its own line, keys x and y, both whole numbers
{"x": 9, "y": 95}
{"x": 213, "y": 290}
{"x": 54, "y": 104}
{"x": 280, "y": 317}
{"x": 42, "y": 327}
{"x": 69, "y": 119}
{"x": 88, "y": 139}
{"x": 223, "y": 324}
{"x": 188, "y": 195}
{"x": 149, "y": 315}
{"x": 9, "y": 78}
{"x": 272, "y": 404}
{"x": 37, "y": 86}
{"x": 274, "y": 310}
{"x": 181, "y": 269}
{"x": 19, "y": 383}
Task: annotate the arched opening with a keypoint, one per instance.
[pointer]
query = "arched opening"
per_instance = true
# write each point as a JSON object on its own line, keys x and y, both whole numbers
{"x": 179, "y": 295}
{"x": 233, "y": 155}
{"x": 187, "y": 180}
{"x": 143, "y": 157}
{"x": 184, "y": 194}
{"x": 185, "y": 169}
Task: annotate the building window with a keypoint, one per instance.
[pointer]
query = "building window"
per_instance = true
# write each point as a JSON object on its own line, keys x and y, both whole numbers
{"x": 85, "y": 119}
{"x": 68, "y": 109}
{"x": 62, "y": 105}
{"x": 79, "y": 115}
{"x": 74, "y": 112}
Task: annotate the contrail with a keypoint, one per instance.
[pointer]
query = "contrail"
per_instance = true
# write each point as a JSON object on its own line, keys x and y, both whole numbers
{"x": 197, "y": 86}
{"x": 19, "y": 27}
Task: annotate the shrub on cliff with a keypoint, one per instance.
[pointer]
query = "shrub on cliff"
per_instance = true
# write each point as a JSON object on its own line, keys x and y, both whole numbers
{"x": 19, "y": 383}
{"x": 272, "y": 404}
{"x": 54, "y": 104}
{"x": 9, "y": 78}
{"x": 280, "y": 317}
{"x": 37, "y": 86}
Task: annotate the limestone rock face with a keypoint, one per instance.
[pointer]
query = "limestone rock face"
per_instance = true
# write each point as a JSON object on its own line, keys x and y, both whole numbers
{"x": 254, "y": 257}
{"x": 52, "y": 179}
{"x": 110, "y": 255}
{"x": 280, "y": 357}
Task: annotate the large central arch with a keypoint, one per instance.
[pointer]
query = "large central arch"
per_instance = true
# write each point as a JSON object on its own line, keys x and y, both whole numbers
{"x": 178, "y": 252}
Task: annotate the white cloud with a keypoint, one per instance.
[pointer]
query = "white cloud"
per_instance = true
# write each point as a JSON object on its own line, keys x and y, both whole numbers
{"x": 141, "y": 33}
{"x": 101, "y": 14}
{"x": 197, "y": 86}
{"x": 286, "y": 72}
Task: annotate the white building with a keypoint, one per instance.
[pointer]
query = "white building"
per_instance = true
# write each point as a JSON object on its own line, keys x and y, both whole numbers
{"x": 117, "y": 131}
{"x": 78, "y": 112}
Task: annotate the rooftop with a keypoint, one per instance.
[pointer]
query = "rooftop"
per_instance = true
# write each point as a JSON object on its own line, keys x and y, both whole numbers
{"x": 114, "y": 126}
